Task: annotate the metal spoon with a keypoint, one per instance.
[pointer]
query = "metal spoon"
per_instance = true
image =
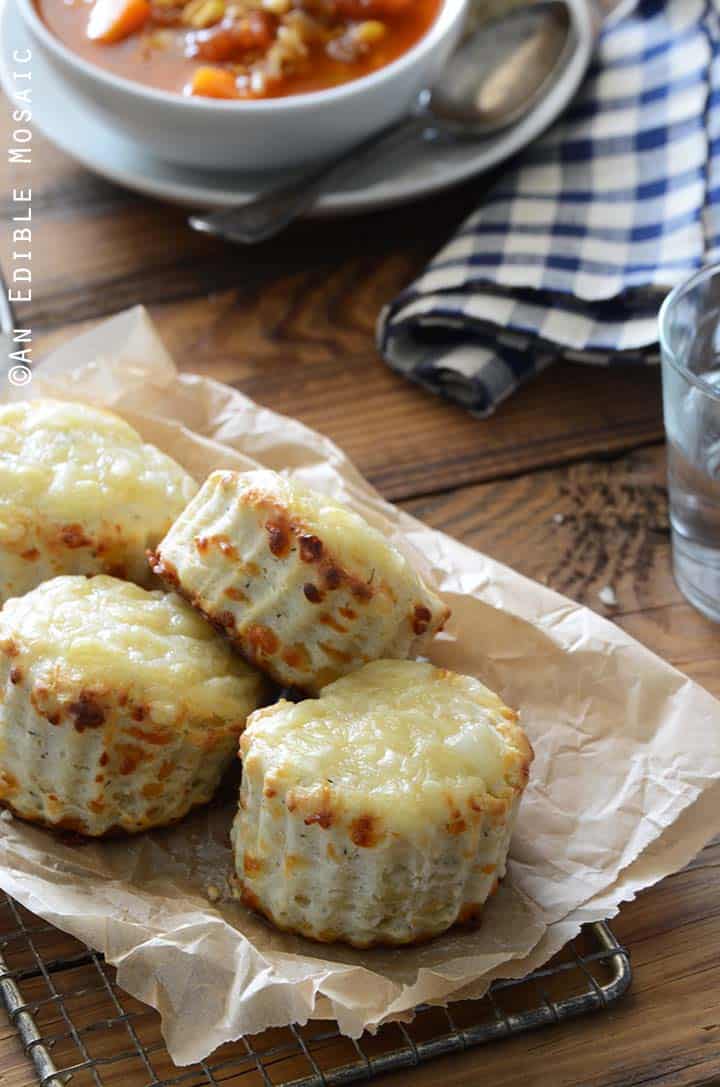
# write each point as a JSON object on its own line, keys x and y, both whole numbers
{"x": 499, "y": 72}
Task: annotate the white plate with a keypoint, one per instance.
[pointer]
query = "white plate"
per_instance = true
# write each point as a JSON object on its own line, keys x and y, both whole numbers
{"x": 416, "y": 169}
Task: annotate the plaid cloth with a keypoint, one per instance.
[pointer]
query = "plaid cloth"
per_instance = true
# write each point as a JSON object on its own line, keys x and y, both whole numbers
{"x": 571, "y": 252}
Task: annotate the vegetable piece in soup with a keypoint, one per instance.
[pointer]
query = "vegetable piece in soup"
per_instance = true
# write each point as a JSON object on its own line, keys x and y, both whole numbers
{"x": 112, "y": 20}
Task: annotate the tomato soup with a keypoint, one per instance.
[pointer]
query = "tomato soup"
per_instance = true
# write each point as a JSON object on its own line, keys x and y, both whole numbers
{"x": 239, "y": 49}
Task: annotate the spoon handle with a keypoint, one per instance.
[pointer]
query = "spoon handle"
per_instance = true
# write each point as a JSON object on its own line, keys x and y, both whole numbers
{"x": 267, "y": 215}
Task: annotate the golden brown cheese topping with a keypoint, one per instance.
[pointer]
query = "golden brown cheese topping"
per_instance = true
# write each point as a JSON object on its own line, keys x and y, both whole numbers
{"x": 66, "y": 459}
{"x": 394, "y": 739}
{"x": 151, "y": 645}
{"x": 305, "y": 588}
{"x": 80, "y": 493}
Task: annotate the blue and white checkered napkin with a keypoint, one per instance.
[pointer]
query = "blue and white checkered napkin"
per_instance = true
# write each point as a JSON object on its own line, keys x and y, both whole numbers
{"x": 569, "y": 254}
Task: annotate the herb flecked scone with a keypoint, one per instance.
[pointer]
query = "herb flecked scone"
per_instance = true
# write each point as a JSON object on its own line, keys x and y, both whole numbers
{"x": 80, "y": 493}
{"x": 303, "y": 586}
{"x": 120, "y": 708}
{"x": 381, "y": 812}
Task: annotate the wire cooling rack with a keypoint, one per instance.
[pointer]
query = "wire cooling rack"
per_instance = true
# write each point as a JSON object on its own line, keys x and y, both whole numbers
{"x": 77, "y": 1025}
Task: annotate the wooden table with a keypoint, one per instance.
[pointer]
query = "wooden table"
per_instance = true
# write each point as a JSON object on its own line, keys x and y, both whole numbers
{"x": 291, "y": 324}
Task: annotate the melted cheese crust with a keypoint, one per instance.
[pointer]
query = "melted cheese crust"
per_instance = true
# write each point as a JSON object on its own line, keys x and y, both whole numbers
{"x": 80, "y": 492}
{"x": 75, "y": 631}
{"x": 342, "y": 530}
{"x": 305, "y": 588}
{"x": 68, "y": 461}
{"x": 399, "y": 739}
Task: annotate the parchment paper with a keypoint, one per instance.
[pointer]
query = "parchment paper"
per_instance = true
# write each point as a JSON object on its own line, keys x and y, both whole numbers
{"x": 625, "y": 787}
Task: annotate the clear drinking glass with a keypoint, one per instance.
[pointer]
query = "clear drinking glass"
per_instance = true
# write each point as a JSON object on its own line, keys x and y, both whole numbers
{"x": 690, "y": 345}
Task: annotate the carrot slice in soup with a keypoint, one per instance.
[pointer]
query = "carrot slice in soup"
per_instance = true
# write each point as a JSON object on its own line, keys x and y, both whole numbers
{"x": 214, "y": 83}
{"x": 112, "y": 20}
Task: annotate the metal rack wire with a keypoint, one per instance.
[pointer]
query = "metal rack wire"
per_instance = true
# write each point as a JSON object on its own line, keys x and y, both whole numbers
{"x": 76, "y": 1024}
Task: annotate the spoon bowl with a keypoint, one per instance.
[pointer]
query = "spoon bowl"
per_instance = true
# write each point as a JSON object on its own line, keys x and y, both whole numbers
{"x": 501, "y": 70}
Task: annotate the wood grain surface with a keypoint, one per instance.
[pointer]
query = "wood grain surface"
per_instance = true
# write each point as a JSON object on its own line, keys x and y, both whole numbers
{"x": 565, "y": 482}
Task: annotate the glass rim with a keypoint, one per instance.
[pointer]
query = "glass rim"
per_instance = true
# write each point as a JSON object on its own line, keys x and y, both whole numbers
{"x": 667, "y": 354}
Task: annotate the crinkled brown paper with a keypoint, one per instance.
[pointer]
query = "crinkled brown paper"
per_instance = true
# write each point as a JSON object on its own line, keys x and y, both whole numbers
{"x": 625, "y": 787}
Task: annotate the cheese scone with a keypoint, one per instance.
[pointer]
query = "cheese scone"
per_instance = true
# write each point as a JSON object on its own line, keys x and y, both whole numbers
{"x": 120, "y": 708}
{"x": 304, "y": 587}
{"x": 380, "y": 812}
{"x": 80, "y": 493}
